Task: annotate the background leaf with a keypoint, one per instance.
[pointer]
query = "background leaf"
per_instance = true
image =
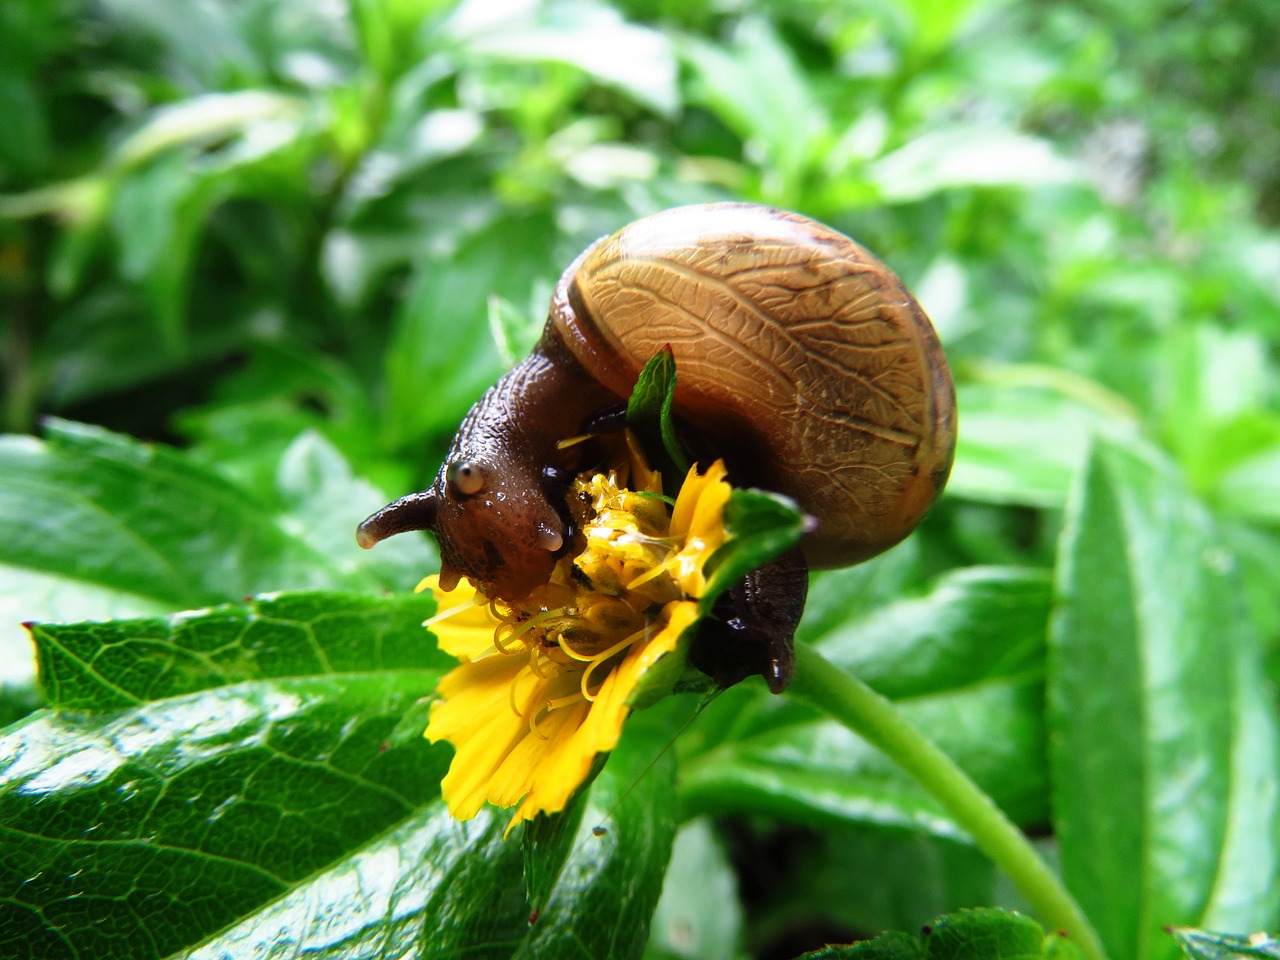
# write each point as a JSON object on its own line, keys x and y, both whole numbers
{"x": 1144, "y": 714}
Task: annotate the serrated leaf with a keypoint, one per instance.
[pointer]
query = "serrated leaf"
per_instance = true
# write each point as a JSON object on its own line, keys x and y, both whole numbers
{"x": 894, "y": 945}
{"x": 982, "y": 934}
{"x": 1164, "y": 755}
{"x": 141, "y": 833}
{"x": 118, "y": 664}
{"x": 1203, "y": 945}
{"x": 989, "y": 934}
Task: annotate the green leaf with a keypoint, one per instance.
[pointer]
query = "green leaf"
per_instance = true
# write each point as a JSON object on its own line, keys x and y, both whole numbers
{"x": 1203, "y": 945}
{"x": 1163, "y": 749}
{"x": 968, "y": 156}
{"x": 25, "y": 594}
{"x": 649, "y": 415}
{"x": 983, "y": 934}
{"x": 987, "y": 934}
{"x": 975, "y": 625}
{"x": 107, "y": 666}
{"x": 761, "y": 526}
{"x": 699, "y": 916}
{"x": 635, "y": 59}
{"x": 915, "y": 876}
{"x": 604, "y": 896}
{"x": 750, "y": 753}
{"x": 1019, "y": 445}
{"x": 386, "y": 897}
{"x": 758, "y": 87}
{"x": 90, "y": 507}
{"x": 593, "y": 873}
{"x": 440, "y": 358}
{"x": 893, "y": 945}
{"x": 837, "y": 596}
{"x": 514, "y": 331}
{"x": 547, "y": 841}
{"x": 318, "y": 490}
{"x": 144, "y": 832}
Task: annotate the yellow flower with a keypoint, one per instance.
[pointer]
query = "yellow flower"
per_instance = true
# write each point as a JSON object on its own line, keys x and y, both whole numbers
{"x": 545, "y": 685}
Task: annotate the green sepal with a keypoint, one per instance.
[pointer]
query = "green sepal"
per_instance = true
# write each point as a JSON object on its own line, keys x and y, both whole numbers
{"x": 761, "y": 527}
{"x": 649, "y": 416}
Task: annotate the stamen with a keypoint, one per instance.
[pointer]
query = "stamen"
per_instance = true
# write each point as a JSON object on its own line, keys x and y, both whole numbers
{"x": 570, "y": 652}
{"x": 450, "y": 612}
{"x": 518, "y": 630}
{"x": 566, "y": 701}
{"x": 511, "y": 697}
{"x": 602, "y": 657}
{"x": 533, "y": 722}
{"x": 534, "y": 655}
{"x": 501, "y": 632}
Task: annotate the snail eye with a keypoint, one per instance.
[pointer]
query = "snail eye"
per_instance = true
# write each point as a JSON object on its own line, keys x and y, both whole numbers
{"x": 467, "y": 477}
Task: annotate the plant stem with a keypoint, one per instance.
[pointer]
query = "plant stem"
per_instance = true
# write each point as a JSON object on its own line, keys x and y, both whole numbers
{"x": 879, "y": 722}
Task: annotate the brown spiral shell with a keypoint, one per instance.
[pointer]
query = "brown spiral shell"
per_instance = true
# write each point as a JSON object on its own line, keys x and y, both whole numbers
{"x": 798, "y": 353}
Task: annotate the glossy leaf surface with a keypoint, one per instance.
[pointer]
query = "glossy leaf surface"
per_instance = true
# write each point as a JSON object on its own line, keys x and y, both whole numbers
{"x": 965, "y": 659}
{"x": 985, "y": 934}
{"x": 1163, "y": 746}
{"x": 121, "y": 663}
{"x": 1204, "y": 945}
{"x": 143, "y": 832}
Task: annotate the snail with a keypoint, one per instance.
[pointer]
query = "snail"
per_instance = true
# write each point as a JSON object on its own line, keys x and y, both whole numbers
{"x": 801, "y": 359}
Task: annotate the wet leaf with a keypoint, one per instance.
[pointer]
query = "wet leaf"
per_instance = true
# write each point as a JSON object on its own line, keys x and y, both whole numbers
{"x": 101, "y": 667}
{"x": 1163, "y": 750}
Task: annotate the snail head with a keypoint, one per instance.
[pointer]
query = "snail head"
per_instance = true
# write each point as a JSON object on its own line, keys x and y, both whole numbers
{"x": 495, "y": 526}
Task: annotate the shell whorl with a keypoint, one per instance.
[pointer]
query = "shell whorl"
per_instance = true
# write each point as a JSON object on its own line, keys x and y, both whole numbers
{"x": 795, "y": 347}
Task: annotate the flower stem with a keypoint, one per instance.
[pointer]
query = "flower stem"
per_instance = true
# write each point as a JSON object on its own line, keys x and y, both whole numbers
{"x": 880, "y": 723}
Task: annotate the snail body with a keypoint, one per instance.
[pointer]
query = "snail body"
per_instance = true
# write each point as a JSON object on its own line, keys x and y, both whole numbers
{"x": 801, "y": 359}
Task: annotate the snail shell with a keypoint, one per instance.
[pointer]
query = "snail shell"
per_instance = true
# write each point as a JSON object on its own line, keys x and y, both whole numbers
{"x": 799, "y": 355}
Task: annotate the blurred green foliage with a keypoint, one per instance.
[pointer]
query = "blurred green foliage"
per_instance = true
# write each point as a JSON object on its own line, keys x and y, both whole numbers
{"x": 297, "y": 238}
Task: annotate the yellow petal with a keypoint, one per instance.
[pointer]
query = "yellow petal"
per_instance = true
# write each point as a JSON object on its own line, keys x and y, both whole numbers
{"x": 699, "y": 510}
{"x": 463, "y": 623}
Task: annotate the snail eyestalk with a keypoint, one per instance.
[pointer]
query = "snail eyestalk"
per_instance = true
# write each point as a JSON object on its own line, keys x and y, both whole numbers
{"x": 417, "y": 511}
